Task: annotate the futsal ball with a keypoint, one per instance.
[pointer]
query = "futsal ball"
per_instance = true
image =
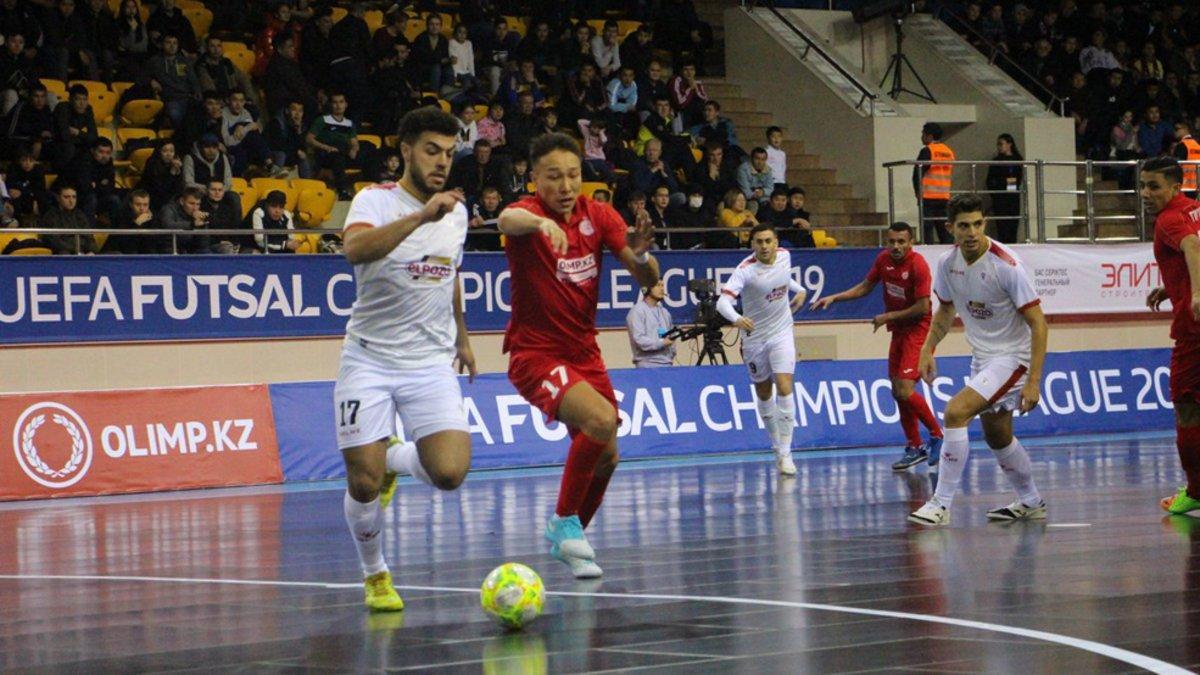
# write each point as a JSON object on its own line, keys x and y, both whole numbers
{"x": 513, "y": 595}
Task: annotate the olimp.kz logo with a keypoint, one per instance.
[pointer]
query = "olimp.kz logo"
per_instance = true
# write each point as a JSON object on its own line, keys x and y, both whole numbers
{"x": 65, "y": 427}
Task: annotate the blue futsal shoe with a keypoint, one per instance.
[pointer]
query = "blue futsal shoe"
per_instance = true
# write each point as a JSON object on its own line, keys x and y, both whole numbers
{"x": 912, "y": 457}
{"x": 935, "y": 449}
{"x": 569, "y": 545}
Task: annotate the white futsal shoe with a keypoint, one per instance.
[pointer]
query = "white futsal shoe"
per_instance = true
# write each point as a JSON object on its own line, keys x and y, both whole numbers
{"x": 1018, "y": 510}
{"x": 783, "y": 460}
{"x": 932, "y": 514}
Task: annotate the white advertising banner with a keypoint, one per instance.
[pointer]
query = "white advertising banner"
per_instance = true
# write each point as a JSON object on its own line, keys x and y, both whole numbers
{"x": 1083, "y": 278}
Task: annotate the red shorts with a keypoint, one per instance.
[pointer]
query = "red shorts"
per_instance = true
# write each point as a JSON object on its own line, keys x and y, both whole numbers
{"x": 544, "y": 378}
{"x": 904, "y": 355}
{"x": 1185, "y": 371}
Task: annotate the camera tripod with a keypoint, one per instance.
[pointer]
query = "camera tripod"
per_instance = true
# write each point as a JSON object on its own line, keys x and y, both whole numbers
{"x": 712, "y": 348}
{"x": 895, "y": 69}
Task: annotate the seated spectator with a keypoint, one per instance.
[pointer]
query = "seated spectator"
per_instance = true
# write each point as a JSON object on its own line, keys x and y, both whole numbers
{"x": 714, "y": 175}
{"x": 64, "y": 216}
{"x": 271, "y": 215}
{"x": 183, "y": 214}
{"x": 66, "y": 47}
{"x": 635, "y": 203}
{"x": 548, "y": 121}
{"x": 285, "y": 136}
{"x": 224, "y": 211}
{"x": 521, "y": 126}
{"x": 1123, "y": 138}
{"x": 431, "y": 53}
{"x": 395, "y": 89}
{"x": 162, "y": 177}
{"x": 652, "y": 87}
{"x": 1155, "y": 135}
{"x": 733, "y": 214}
{"x": 665, "y": 126}
{"x": 485, "y": 215}
{"x": 206, "y": 162}
{"x": 623, "y": 99}
{"x": 280, "y": 23}
{"x": 681, "y": 32}
{"x": 715, "y": 128}
{"x": 392, "y": 168}
{"x": 595, "y": 161}
{"x": 217, "y": 73}
{"x": 776, "y": 157}
{"x": 383, "y": 43}
{"x": 26, "y": 183}
{"x": 243, "y": 138}
{"x": 462, "y": 59}
{"x": 167, "y": 21}
{"x": 694, "y": 213}
{"x": 585, "y": 97}
{"x": 991, "y": 26}
{"x": 95, "y": 181}
{"x": 659, "y": 208}
{"x": 74, "y": 129}
{"x": 524, "y": 80}
{"x": 518, "y": 179}
{"x": 497, "y": 51}
{"x": 577, "y": 51}
{"x": 468, "y": 129}
{"x": 802, "y": 220}
{"x": 284, "y": 80}
{"x": 1097, "y": 55}
{"x": 476, "y": 171}
{"x": 491, "y": 128}
{"x": 133, "y": 41}
{"x": 637, "y": 50}
{"x": 651, "y": 172}
{"x": 755, "y": 179}
{"x": 606, "y": 51}
{"x": 202, "y": 121}
{"x": 540, "y": 48}
{"x": 100, "y": 27}
{"x": 31, "y": 123}
{"x": 18, "y": 72}
{"x": 602, "y": 196}
{"x": 173, "y": 79}
{"x": 687, "y": 95}
{"x": 135, "y": 214}
{"x": 1147, "y": 66}
{"x": 789, "y": 225}
{"x": 333, "y": 139}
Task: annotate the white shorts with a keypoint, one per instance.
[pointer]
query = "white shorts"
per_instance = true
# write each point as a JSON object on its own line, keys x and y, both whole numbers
{"x": 772, "y": 356}
{"x": 369, "y": 395}
{"x": 999, "y": 379}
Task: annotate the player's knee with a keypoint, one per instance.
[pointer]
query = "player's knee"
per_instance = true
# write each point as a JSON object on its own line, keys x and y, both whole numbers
{"x": 902, "y": 393}
{"x": 448, "y": 479}
{"x": 600, "y": 427}
{"x": 998, "y": 439}
{"x": 608, "y": 459}
{"x": 363, "y": 485}
{"x": 956, "y": 416}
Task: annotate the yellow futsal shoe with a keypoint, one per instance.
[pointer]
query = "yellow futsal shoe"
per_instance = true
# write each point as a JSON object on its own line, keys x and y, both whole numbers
{"x": 381, "y": 596}
{"x": 388, "y": 489}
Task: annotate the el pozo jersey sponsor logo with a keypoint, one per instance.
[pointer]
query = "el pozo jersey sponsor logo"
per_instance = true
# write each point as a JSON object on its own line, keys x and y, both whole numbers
{"x": 32, "y": 424}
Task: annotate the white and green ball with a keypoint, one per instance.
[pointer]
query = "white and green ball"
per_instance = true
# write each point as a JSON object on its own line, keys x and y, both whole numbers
{"x": 513, "y": 595}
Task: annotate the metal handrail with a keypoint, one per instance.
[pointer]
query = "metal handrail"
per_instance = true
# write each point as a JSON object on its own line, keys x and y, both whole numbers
{"x": 867, "y": 94}
{"x": 994, "y": 52}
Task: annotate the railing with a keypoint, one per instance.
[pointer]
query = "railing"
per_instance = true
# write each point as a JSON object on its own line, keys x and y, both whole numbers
{"x": 867, "y": 96}
{"x": 1036, "y": 220}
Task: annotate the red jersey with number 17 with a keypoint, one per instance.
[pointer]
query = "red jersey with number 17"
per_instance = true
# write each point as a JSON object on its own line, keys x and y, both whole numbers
{"x": 904, "y": 283}
{"x": 1180, "y": 218}
{"x": 554, "y": 296}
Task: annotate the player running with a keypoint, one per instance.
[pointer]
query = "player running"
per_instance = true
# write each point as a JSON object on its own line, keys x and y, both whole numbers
{"x": 555, "y": 242}
{"x": 763, "y": 281}
{"x": 1177, "y": 251}
{"x": 906, "y": 287}
{"x": 986, "y": 284}
{"x": 406, "y": 330}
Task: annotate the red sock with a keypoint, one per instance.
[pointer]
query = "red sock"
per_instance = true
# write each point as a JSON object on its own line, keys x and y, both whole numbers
{"x": 595, "y": 495}
{"x": 921, "y": 409}
{"x": 1187, "y": 441}
{"x": 908, "y": 422}
{"x": 577, "y": 474}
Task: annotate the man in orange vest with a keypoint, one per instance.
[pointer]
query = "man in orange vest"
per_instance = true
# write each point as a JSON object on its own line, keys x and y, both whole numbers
{"x": 1187, "y": 149}
{"x": 931, "y": 182}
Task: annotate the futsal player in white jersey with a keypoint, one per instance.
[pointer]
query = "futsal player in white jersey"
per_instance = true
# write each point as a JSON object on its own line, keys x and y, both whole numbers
{"x": 986, "y": 285}
{"x": 406, "y": 332}
{"x": 764, "y": 281}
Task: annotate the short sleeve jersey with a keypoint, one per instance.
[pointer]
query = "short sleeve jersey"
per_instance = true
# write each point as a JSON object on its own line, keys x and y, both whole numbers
{"x": 989, "y": 295}
{"x": 1180, "y": 218}
{"x": 764, "y": 293}
{"x": 404, "y": 309}
{"x": 554, "y": 296}
{"x": 904, "y": 283}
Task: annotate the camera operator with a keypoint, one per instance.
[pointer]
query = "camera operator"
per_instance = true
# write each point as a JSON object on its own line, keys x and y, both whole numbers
{"x": 648, "y": 323}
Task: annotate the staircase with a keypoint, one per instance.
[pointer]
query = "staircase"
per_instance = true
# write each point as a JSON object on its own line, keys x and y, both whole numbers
{"x": 1103, "y": 206}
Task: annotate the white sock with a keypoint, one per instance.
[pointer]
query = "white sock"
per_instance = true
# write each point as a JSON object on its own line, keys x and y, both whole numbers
{"x": 404, "y": 458}
{"x": 955, "y": 452}
{"x": 1014, "y": 461}
{"x": 768, "y": 413}
{"x": 366, "y": 526}
{"x": 785, "y": 421}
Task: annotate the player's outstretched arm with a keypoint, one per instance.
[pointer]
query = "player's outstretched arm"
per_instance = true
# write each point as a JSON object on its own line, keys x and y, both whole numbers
{"x": 636, "y": 256}
{"x": 914, "y": 311}
{"x": 943, "y": 319}
{"x": 859, "y": 290}
{"x": 465, "y": 356}
{"x": 517, "y": 222}
{"x": 1039, "y": 333}
{"x": 365, "y": 244}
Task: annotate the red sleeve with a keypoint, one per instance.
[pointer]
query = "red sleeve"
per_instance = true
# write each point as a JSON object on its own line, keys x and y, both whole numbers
{"x": 530, "y": 203}
{"x": 922, "y": 279}
{"x": 873, "y": 274}
{"x": 611, "y": 225}
{"x": 1175, "y": 228}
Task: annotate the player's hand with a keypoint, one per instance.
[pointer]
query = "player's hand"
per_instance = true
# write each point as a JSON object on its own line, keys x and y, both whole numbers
{"x": 1196, "y": 306}
{"x": 927, "y": 367}
{"x": 822, "y": 303}
{"x": 440, "y": 204}
{"x": 558, "y": 238}
{"x": 878, "y": 322}
{"x": 465, "y": 360}
{"x": 643, "y": 233}
{"x": 1030, "y": 395}
{"x": 1156, "y": 298}
{"x": 797, "y": 302}
{"x": 744, "y": 323}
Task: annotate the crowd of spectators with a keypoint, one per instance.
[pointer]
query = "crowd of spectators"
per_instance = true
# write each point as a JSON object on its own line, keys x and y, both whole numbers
{"x": 629, "y": 87}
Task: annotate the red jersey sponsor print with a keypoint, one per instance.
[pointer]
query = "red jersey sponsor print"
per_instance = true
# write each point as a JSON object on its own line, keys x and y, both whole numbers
{"x": 554, "y": 296}
{"x": 1180, "y": 218}
{"x": 904, "y": 283}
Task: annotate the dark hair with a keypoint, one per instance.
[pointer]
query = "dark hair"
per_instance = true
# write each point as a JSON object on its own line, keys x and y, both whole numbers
{"x": 101, "y": 142}
{"x": 771, "y": 130}
{"x": 779, "y": 192}
{"x": 548, "y": 143}
{"x": 611, "y": 23}
{"x": 76, "y": 90}
{"x": 635, "y": 196}
{"x": 901, "y": 226}
{"x": 933, "y": 129}
{"x": 796, "y": 191}
{"x": 489, "y": 188}
{"x": 61, "y": 184}
{"x": 763, "y": 227}
{"x": 429, "y": 119}
{"x": 211, "y": 95}
{"x": 1016, "y": 153}
{"x": 1166, "y": 165}
{"x": 964, "y": 203}
{"x": 138, "y": 193}
{"x": 714, "y": 103}
{"x": 192, "y": 191}
{"x": 758, "y": 151}
{"x": 482, "y": 143}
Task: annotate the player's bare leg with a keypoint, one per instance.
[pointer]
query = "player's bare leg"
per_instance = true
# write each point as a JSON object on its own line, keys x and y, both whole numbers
{"x": 440, "y": 460}
{"x": 365, "y": 469}
{"x": 915, "y": 451}
{"x": 594, "y": 420}
{"x": 1187, "y": 442}
{"x": 785, "y": 421}
{"x": 1014, "y": 462}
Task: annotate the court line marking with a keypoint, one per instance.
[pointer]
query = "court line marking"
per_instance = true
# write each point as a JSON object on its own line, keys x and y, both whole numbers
{"x": 1116, "y": 653}
{"x": 1068, "y": 525}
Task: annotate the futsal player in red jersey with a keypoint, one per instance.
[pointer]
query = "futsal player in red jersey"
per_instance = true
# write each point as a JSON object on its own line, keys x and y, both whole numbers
{"x": 555, "y": 246}
{"x": 1177, "y": 251}
{"x": 906, "y": 289}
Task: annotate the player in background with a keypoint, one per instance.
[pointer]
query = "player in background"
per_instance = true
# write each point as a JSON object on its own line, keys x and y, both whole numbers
{"x": 906, "y": 288}
{"x": 406, "y": 330}
{"x": 555, "y": 246}
{"x": 1177, "y": 251}
{"x": 764, "y": 281}
{"x": 987, "y": 285}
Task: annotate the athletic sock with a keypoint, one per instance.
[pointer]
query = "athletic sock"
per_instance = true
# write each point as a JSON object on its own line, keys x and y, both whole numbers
{"x": 366, "y": 526}
{"x": 1187, "y": 442}
{"x": 595, "y": 495}
{"x": 404, "y": 458}
{"x": 1014, "y": 461}
{"x": 954, "y": 461}
{"x": 577, "y": 474}
{"x": 785, "y": 421}
{"x": 921, "y": 409}
{"x": 768, "y": 412}
{"x": 908, "y": 422}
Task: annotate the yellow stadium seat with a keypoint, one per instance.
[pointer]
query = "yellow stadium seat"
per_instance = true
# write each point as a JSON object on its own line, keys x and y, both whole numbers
{"x": 303, "y": 184}
{"x": 481, "y": 111}
{"x": 139, "y": 157}
{"x": 241, "y": 56}
{"x": 6, "y": 239}
{"x": 238, "y": 183}
{"x": 189, "y": 4}
{"x": 697, "y": 154}
{"x": 50, "y": 178}
{"x": 166, "y": 133}
{"x": 56, "y": 87}
{"x": 36, "y": 250}
{"x": 248, "y": 195}
{"x": 372, "y": 139}
{"x": 391, "y": 141}
{"x": 587, "y": 189}
{"x": 823, "y": 240}
{"x": 444, "y": 105}
{"x": 264, "y": 185}
{"x": 126, "y": 134}
{"x": 362, "y": 185}
{"x": 413, "y": 28}
{"x": 104, "y": 104}
{"x": 597, "y": 25}
{"x": 200, "y": 18}
{"x": 516, "y": 23}
{"x": 314, "y": 206}
{"x": 338, "y": 13}
{"x": 624, "y": 28}
{"x": 119, "y": 88}
{"x": 309, "y": 243}
{"x": 101, "y": 239}
{"x": 374, "y": 19}
{"x": 140, "y": 112}
{"x": 107, "y": 132}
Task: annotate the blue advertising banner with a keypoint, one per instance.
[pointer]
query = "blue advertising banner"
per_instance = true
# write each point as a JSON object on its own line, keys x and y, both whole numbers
{"x": 710, "y": 409}
{"x": 145, "y": 298}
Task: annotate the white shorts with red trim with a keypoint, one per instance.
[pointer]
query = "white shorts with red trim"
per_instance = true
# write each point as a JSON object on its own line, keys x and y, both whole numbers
{"x": 775, "y": 355}
{"x": 999, "y": 379}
